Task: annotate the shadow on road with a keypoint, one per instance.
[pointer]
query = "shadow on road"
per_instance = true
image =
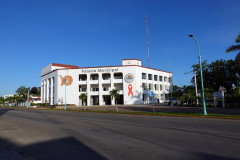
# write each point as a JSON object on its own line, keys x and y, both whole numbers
{"x": 206, "y": 156}
{"x": 61, "y": 149}
{"x": 3, "y": 111}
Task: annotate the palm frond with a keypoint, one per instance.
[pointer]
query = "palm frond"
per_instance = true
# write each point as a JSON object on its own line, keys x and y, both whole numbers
{"x": 233, "y": 48}
{"x": 238, "y": 39}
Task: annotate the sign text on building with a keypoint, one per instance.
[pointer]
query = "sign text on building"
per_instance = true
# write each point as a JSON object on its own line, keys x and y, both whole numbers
{"x": 94, "y": 70}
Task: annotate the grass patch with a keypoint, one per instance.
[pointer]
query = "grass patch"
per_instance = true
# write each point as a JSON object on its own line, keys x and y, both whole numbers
{"x": 177, "y": 114}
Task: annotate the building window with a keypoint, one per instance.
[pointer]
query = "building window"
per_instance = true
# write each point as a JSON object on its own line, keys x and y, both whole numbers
{"x": 169, "y": 79}
{"x": 118, "y": 76}
{"x": 82, "y": 88}
{"x": 160, "y": 78}
{"x": 94, "y": 89}
{"x": 155, "y": 87}
{"x": 118, "y": 86}
{"x": 149, "y": 76}
{"x": 143, "y": 75}
{"x": 106, "y": 76}
{"x": 106, "y": 87}
{"x": 94, "y": 76}
{"x": 155, "y": 78}
{"x": 144, "y": 86}
{"x": 166, "y": 88}
{"x": 150, "y": 86}
{"x": 82, "y": 77}
{"x": 165, "y": 79}
{"x": 161, "y": 87}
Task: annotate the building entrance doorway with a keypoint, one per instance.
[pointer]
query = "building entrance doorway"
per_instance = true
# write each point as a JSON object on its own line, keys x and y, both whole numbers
{"x": 94, "y": 100}
{"x": 107, "y": 100}
{"x": 120, "y": 100}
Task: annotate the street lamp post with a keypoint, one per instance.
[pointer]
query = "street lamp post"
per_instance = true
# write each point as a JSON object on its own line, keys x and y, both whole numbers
{"x": 28, "y": 97}
{"x": 200, "y": 63}
{"x": 65, "y": 81}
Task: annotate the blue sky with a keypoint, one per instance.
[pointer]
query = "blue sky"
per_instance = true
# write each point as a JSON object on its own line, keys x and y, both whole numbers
{"x": 92, "y": 33}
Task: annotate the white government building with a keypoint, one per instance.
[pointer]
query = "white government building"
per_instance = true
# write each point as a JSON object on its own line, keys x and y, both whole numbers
{"x": 131, "y": 79}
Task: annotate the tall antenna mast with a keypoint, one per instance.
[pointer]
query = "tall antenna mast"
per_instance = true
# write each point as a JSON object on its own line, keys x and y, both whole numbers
{"x": 170, "y": 79}
{"x": 147, "y": 41}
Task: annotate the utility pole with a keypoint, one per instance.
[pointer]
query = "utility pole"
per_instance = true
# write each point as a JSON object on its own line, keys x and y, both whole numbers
{"x": 147, "y": 41}
{"x": 170, "y": 80}
{"x": 195, "y": 77}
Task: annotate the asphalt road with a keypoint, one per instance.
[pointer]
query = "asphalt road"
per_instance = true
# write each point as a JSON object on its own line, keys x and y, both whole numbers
{"x": 61, "y": 135}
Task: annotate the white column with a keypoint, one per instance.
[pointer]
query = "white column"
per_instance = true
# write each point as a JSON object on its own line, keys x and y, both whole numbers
{"x": 42, "y": 91}
{"x": 112, "y": 87}
{"x": 147, "y": 88}
{"x": 52, "y": 91}
{"x": 88, "y": 90}
{"x": 158, "y": 83}
{"x": 163, "y": 92}
{"x": 100, "y": 89}
{"x": 47, "y": 89}
{"x": 153, "y": 97}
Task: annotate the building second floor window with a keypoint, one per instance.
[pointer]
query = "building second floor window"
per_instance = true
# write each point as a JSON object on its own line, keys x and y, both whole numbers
{"x": 118, "y": 75}
{"x": 143, "y": 75}
{"x": 149, "y": 76}
{"x": 165, "y": 79}
{"x": 160, "y": 78}
{"x": 94, "y": 77}
{"x": 82, "y": 77}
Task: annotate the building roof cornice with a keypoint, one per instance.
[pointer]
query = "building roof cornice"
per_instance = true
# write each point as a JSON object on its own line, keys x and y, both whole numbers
{"x": 105, "y": 67}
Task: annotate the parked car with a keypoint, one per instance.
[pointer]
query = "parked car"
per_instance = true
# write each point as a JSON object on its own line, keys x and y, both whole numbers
{"x": 174, "y": 101}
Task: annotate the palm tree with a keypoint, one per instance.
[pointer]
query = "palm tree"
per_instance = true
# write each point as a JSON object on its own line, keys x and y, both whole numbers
{"x": 83, "y": 97}
{"x": 235, "y": 48}
{"x": 114, "y": 94}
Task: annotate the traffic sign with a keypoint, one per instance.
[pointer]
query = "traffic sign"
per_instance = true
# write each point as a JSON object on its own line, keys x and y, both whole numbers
{"x": 217, "y": 94}
{"x": 150, "y": 93}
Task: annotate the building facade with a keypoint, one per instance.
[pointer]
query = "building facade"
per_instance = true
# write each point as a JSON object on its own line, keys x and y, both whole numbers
{"x": 67, "y": 82}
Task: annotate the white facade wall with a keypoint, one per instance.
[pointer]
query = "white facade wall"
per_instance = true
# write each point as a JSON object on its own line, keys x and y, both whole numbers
{"x": 98, "y": 89}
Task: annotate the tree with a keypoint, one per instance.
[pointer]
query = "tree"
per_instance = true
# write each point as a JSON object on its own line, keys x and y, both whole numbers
{"x": 2, "y": 101}
{"x": 221, "y": 73}
{"x": 83, "y": 97}
{"x": 114, "y": 94}
{"x": 176, "y": 94}
{"x": 191, "y": 95}
{"x": 235, "y": 48}
{"x": 236, "y": 95}
{"x": 225, "y": 74}
{"x": 35, "y": 91}
{"x": 22, "y": 92}
{"x": 205, "y": 71}
{"x": 208, "y": 92}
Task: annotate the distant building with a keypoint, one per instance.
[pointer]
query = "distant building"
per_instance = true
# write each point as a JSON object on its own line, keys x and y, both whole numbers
{"x": 131, "y": 79}
{"x": 7, "y": 96}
